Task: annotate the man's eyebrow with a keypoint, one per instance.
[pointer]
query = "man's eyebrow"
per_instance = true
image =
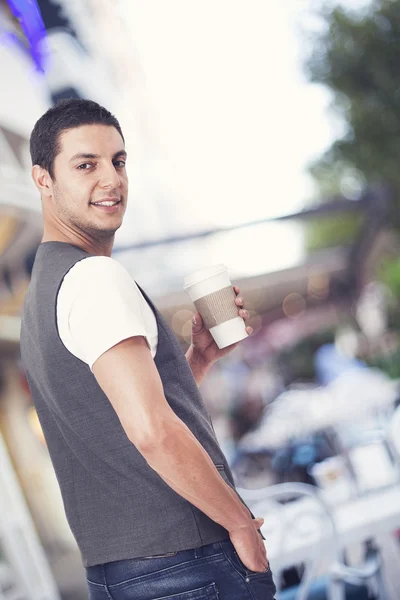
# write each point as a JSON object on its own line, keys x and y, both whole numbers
{"x": 85, "y": 156}
{"x": 82, "y": 155}
{"x": 120, "y": 153}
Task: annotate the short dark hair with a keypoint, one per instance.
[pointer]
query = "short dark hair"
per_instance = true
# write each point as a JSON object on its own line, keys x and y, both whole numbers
{"x": 66, "y": 114}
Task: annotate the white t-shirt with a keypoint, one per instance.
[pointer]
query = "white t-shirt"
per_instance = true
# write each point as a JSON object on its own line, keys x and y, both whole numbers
{"x": 99, "y": 305}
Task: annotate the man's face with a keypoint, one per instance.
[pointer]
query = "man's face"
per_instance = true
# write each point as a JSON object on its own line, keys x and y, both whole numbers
{"x": 90, "y": 168}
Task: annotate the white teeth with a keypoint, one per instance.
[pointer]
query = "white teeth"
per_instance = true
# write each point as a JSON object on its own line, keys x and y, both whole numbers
{"x": 105, "y": 203}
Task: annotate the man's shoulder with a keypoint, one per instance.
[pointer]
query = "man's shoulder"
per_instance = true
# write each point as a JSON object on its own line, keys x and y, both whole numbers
{"x": 99, "y": 273}
{"x": 92, "y": 265}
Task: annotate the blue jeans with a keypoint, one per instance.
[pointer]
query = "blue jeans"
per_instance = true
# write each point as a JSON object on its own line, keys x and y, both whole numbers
{"x": 210, "y": 572}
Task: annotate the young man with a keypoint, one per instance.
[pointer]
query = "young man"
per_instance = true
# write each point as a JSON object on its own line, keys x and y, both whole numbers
{"x": 147, "y": 491}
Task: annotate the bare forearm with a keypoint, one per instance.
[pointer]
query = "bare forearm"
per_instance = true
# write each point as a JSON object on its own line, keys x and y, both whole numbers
{"x": 199, "y": 368}
{"x": 186, "y": 467}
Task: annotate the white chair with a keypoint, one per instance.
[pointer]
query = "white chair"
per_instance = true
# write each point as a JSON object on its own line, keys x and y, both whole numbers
{"x": 393, "y": 433}
{"x": 25, "y": 563}
{"x": 308, "y": 516}
{"x": 9, "y": 587}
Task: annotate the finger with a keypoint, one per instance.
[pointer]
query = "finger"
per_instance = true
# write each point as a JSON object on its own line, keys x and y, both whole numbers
{"x": 236, "y": 289}
{"x": 249, "y": 330}
{"x": 263, "y": 550}
{"x": 244, "y": 313}
{"x": 239, "y": 301}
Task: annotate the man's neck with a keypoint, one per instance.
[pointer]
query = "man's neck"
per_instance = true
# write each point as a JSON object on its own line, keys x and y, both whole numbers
{"x": 95, "y": 248}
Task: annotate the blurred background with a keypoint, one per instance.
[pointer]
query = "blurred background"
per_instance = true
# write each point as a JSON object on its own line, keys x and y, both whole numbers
{"x": 264, "y": 136}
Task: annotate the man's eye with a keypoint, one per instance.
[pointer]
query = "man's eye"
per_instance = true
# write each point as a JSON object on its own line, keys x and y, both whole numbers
{"x": 84, "y": 166}
{"x": 119, "y": 164}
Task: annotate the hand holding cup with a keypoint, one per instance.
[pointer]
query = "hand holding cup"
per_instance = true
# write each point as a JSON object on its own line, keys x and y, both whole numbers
{"x": 213, "y": 295}
{"x": 220, "y": 318}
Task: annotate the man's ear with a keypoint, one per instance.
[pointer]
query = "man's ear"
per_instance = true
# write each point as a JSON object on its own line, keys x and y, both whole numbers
{"x": 42, "y": 181}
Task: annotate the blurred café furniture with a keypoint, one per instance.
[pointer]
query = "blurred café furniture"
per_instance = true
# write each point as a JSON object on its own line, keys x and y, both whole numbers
{"x": 301, "y": 527}
{"x": 359, "y": 393}
{"x": 393, "y": 433}
{"x": 367, "y": 450}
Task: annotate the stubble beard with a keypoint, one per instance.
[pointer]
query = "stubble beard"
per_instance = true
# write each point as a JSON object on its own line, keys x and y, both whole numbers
{"x": 85, "y": 227}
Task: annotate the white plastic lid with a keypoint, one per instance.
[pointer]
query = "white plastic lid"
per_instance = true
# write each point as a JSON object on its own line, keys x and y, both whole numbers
{"x": 203, "y": 274}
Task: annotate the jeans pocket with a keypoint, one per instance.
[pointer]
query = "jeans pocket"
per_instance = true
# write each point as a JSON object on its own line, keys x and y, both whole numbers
{"x": 261, "y": 583}
{"x": 208, "y": 592}
{"x": 245, "y": 570}
{"x": 239, "y": 566}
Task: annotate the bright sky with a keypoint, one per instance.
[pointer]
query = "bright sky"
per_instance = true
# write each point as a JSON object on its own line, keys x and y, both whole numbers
{"x": 232, "y": 125}
{"x": 233, "y": 122}
{"x": 235, "y": 119}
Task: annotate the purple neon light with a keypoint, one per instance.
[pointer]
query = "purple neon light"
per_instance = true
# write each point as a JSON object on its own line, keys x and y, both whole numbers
{"x": 28, "y": 14}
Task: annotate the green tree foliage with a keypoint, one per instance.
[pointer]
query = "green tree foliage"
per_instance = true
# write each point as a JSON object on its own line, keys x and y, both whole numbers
{"x": 357, "y": 56}
{"x": 390, "y": 275}
{"x": 337, "y": 230}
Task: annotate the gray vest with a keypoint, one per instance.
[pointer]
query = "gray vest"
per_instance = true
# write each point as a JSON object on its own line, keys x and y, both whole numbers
{"x": 116, "y": 505}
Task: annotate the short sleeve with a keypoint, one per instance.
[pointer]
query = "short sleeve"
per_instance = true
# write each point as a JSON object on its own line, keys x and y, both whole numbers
{"x": 104, "y": 307}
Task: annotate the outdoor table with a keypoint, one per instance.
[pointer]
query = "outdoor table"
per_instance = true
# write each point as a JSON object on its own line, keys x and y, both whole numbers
{"x": 358, "y": 519}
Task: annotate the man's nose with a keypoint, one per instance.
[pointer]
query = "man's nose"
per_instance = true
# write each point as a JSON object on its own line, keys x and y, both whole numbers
{"x": 110, "y": 177}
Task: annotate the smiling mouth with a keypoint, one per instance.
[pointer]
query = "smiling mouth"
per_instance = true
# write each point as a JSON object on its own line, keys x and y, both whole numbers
{"x": 109, "y": 203}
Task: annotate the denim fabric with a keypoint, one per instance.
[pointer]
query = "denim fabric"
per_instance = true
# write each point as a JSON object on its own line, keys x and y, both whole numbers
{"x": 210, "y": 572}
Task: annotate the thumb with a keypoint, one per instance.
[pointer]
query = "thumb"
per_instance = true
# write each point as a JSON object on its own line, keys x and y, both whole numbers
{"x": 197, "y": 322}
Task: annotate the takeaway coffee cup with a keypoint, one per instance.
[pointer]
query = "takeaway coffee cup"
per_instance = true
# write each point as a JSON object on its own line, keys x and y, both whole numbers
{"x": 212, "y": 293}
